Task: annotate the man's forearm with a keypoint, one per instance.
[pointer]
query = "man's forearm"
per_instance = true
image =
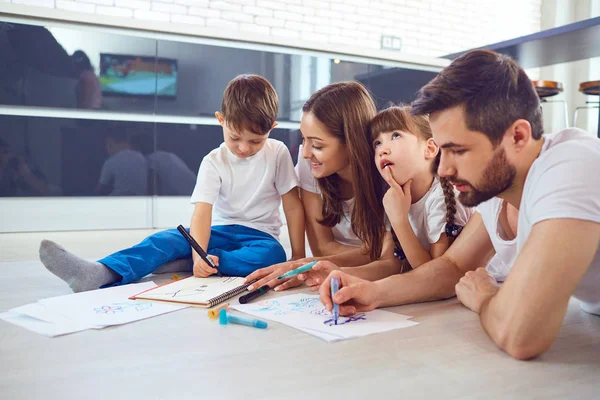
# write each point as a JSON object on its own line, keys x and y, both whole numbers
{"x": 434, "y": 280}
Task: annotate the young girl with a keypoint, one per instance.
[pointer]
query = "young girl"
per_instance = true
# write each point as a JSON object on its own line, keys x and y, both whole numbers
{"x": 421, "y": 208}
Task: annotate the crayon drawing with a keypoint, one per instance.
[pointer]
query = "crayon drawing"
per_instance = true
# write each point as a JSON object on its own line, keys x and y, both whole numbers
{"x": 306, "y": 313}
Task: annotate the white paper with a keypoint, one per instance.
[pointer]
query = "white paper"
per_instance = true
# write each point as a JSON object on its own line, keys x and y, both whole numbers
{"x": 110, "y": 306}
{"x": 39, "y": 326}
{"x": 306, "y": 313}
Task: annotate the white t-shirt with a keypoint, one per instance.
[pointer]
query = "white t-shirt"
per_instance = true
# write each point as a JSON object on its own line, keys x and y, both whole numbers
{"x": 564, "y": 182}
{"x": 246, "y": 191}
{"x": 427, "y": 216}
{"x": 126, "y": 172}
{"x": 342, "y": 232}
{"x": 173, "y": 175}
{"x": 506, "y": 250}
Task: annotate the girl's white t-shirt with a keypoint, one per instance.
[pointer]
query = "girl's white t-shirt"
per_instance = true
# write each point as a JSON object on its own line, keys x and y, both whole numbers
{"x": 427, "y": 216}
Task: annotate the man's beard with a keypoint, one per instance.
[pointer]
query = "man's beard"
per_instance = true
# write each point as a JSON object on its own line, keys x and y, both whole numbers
{"x": 497, "y": 177}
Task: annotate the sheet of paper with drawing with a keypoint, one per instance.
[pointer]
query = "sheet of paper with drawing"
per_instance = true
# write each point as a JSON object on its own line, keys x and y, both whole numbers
{"x": 95, "y": 309}
{"x": 105, "y": 307}
{"x": 205, "y": 292}
{"x": 306, "y": 313}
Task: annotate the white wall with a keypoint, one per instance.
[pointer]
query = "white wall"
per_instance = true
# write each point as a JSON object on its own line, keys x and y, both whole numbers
{"x": 571, "y": 74}
{"x": 427, "y": 27}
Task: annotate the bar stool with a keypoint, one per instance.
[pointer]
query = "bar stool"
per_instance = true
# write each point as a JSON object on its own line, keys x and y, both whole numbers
{"x": 591, "y": 88}
{"x": 546, "y": 89}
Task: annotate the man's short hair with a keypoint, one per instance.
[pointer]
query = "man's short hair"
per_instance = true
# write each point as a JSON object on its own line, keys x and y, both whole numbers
{"x": 493, "y": 89}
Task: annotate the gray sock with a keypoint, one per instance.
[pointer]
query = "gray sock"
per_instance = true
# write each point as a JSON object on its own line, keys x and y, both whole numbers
{"x": 179, "y": 265}
{"x": 80, "y": 274}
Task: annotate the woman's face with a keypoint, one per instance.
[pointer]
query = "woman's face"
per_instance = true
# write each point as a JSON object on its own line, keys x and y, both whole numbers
{"x": 326, "y": 152}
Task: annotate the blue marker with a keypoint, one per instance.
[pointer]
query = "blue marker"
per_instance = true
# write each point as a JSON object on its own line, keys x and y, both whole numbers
{"x": 299, "y": 270}
{"x": 225, "y": 319}
{"x": 335, "y": 286}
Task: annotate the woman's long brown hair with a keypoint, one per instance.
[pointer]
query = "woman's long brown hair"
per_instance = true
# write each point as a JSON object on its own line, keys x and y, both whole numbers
{"x": 346, "y": 109}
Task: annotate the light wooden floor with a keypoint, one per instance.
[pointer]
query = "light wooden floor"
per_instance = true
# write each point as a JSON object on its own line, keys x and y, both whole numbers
{"x": 184, "y": 355}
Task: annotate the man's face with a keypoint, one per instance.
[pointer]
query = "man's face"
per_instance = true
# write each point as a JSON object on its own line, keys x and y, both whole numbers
{"x": 469, "y": 160}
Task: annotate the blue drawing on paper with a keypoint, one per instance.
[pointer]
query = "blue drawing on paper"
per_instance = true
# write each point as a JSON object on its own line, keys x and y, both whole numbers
{"x": 346, "y": 320}
{"x": 115, "y": 308}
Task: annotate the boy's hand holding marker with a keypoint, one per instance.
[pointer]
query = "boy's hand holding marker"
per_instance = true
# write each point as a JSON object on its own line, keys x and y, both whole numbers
{"x": 355, "y": 294}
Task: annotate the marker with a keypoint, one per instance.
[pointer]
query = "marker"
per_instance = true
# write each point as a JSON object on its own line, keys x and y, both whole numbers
{"x": 214, "y": 313}
{"x": 225, "y": 319}
{"x": 335, "y": 286}
{"x": 254, "y": 294}
{"x": 299, "y": 270}
{"x": 197, "y": 247}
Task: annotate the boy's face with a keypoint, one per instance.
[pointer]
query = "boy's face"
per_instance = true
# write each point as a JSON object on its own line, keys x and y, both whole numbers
{"x": 243, "y": 144}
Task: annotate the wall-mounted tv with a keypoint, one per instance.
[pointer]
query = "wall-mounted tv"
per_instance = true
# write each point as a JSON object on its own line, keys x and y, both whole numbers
{"x": 129, "y": 75}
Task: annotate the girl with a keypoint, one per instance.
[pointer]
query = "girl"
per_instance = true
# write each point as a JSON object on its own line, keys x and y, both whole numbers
{"x": 422, "y": 209}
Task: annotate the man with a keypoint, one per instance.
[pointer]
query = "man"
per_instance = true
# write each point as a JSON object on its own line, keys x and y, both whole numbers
{"x": 486, "y": 118}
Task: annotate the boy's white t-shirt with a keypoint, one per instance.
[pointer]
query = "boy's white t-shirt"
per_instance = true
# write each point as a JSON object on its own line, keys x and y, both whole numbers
{"x": 427, "y": 216}
{"x": 126, "y": 172}
{"x": 246, "y": 191}
{"x": 506, "y": 250}
{"x": 342, "y": 232}
{"x": 563, "y": 182}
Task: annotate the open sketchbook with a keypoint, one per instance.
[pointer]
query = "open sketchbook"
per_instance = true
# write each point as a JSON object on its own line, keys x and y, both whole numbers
{"x": 205, "y": 292}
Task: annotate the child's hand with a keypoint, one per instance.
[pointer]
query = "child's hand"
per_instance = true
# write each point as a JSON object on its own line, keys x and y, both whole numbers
{"x": 397, "y": 199}
{"x": 202, "y": 269}
{"x": 268, "y": 275}
{"x": 317, "y": 274}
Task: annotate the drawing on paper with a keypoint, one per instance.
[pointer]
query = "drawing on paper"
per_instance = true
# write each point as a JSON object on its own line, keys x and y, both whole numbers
{"x": 121, "y": 307}
{"x": 304, "y": 304}
{"x": 346, "y": 320}
{"x": 187, "y": 292}
{"x": 266, "y": 305}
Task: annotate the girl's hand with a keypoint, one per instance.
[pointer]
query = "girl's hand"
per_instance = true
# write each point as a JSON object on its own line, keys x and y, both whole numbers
{"x": 397, "y": 199}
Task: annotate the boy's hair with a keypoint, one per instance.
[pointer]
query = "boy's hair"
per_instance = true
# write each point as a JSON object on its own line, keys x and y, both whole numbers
{"x": 493, "y": 88}
{"x": 346, "y": 108}
{"x": 250, "y": 103}
{"x": 399, "y": 118}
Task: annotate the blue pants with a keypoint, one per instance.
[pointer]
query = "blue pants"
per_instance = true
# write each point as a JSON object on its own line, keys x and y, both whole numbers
{"x": 241, "y": 250}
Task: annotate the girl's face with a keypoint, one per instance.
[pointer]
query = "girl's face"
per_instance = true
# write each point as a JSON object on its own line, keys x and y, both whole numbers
{"x": 406, "y": 154}
{"x": 326, "y": 153}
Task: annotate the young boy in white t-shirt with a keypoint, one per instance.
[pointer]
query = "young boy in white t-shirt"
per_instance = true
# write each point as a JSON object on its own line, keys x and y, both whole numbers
{"x": 239, "y": 189}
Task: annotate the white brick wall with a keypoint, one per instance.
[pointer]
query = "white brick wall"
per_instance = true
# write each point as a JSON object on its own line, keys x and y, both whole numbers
{"x": 427, "y": 27}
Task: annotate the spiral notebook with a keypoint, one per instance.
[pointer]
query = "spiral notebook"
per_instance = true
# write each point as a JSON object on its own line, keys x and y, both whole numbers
{"x": 204, "y": 292}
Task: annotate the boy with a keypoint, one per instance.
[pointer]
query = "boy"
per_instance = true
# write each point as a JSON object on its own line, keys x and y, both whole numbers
{"x": 238, "y": 191}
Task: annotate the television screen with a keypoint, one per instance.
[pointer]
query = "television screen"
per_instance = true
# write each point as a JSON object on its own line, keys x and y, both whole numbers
{"x": 127, "y": 75}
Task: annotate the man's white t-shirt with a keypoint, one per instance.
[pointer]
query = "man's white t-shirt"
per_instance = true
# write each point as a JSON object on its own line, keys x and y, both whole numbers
{"x": 126, "y": 172}
{"x": 506, "y": 250}
{"x": 342, "y": 232}
{"x": 174, "y": 177}
{"x": 564, "y": 182}
{"x": 246, "y": 191}
{"x": 427, "y": 216}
